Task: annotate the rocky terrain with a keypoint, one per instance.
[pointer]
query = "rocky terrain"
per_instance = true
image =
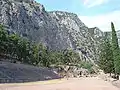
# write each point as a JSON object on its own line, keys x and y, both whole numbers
{"x": 108, "y": 78}
{"x": 57, "y": 30}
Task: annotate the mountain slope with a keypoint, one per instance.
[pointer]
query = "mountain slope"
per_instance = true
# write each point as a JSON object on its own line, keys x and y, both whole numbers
{"x": 57, "y": 30}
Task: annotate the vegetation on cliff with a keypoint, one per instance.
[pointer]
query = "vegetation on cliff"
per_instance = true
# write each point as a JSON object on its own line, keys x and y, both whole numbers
{"x": 16, "y": 48}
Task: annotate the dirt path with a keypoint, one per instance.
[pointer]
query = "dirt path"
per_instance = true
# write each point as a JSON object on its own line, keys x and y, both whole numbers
{"x": 94, "y": 83}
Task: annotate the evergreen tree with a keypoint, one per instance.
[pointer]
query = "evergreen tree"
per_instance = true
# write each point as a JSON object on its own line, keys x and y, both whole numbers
{"x": 71, "y": 57}
{"x": 106, "y": 56}
{"x": 115, "y": 48}
{"x": 12, "y": 46}
{"x": 3, "y": 40}
{"x": 44, "y": 59}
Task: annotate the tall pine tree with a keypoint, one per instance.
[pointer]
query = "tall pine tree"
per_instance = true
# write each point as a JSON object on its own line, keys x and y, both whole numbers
{"x": 115, "y": 48}
{"x": 106, "y": 62}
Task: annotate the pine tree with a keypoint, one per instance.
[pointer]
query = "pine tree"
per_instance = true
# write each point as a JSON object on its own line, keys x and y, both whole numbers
{"x": 3, "y": 40}
{"x": 106, "y": 56}
{"x": 115, "y": 48}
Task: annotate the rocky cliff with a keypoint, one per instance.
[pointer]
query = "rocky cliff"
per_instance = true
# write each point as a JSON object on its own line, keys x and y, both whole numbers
{"x": 57, "y": 30}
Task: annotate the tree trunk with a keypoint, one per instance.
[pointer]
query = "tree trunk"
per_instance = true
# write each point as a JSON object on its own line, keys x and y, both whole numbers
{"x": 110, "y": 74}
{"x": 117, "y": 76}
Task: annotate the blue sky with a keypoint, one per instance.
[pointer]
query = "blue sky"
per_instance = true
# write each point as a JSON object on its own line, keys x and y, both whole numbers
{"x": 92, "y": 12}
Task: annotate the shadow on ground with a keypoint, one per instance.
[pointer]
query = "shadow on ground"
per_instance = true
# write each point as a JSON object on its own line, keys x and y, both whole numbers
{"x": 20, "y": 73}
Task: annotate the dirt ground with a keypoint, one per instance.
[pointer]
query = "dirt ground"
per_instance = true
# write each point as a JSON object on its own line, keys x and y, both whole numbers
{"x": 89, "y": 83}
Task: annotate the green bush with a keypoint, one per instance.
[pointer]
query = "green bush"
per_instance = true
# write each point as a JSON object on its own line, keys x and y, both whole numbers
{"x": 86, "y": 65}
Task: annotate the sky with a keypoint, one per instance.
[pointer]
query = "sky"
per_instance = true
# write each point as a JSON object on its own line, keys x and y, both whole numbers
{"x": 94, "y": 13}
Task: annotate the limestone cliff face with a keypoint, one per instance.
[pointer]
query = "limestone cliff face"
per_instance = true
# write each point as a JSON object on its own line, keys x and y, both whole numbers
{"x": 83, "y": 39}
{"x": 29, "y": 19}
{"x": 57, "y": 30}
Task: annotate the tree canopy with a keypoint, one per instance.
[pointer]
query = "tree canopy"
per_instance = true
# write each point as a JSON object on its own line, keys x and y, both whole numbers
{"x": 115, "y": 48}
{"x": 17, "y": 48}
